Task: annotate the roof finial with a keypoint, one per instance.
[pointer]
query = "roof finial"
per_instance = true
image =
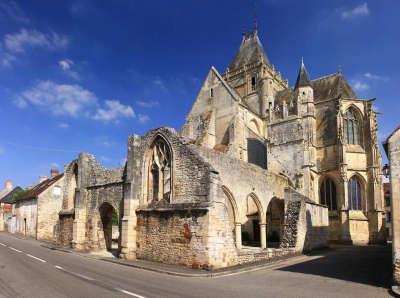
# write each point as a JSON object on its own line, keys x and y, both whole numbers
{"x": 302, "y": 60}
{"x": 255, "y": 16}
{"x": 340, "y": 71}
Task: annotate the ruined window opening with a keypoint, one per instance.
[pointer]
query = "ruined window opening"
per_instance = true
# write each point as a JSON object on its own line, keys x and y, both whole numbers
{"x": 327, "y": 194}
{"x": 159, "y": 184}
{"x": 355, "y": 194}
{"x": 352, "y": 130}
{"x": 253, "y": 83}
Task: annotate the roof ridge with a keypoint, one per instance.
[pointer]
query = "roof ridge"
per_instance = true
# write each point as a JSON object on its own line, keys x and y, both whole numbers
{"x": 326, "y": 76}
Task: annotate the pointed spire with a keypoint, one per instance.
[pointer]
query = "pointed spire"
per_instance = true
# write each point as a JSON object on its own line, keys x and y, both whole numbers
{"x": 302, "y": 77}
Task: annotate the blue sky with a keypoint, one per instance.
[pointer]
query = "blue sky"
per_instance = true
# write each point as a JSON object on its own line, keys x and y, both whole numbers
{"x": 83, "y": 75}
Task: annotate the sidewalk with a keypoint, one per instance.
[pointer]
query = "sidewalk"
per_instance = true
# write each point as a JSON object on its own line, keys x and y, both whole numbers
{"x": 178, "y": 270}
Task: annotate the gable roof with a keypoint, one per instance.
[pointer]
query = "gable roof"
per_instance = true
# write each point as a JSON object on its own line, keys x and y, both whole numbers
{"x": 331, "y": 86}
{"x": 231, "y": 91}
{"x": 302, "y": 77}
{"x": 250, "y": 51}
{"x": 41, "y": 187}
{"x": 386, "y": 142}
{"x": 8, "y": 198}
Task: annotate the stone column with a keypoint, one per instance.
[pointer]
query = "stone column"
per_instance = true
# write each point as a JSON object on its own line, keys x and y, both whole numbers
{"x": 79, "y": 224}
{"x": 263, "y": 236}
{"x": 238, "y": 235}
{"x": 344, "y": 213}
{"x": 129, "y": 222}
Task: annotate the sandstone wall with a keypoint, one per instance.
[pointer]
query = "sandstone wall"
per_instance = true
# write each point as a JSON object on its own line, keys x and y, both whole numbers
{"x": 49, "y": 205}
{"x": 26, "y": 217}
{"x": 394, "y": 157}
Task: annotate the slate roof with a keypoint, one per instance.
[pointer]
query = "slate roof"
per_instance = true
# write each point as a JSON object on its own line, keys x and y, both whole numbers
{"x": 8, "y": 198}
{"x": 286, "y": 95}
{"x": 302, "y": 77}
{"x": 250, "y": 51}
{"x": 332, "y": 86}
{"x": 41, "y": 187}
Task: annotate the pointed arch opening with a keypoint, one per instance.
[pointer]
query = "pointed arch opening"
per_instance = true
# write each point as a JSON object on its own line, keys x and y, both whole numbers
{"x": 356, "y": 194}
{"x": 233, "y": 216}
{"x": 352, "y": 127}
{"x": 251, "y": 228}
{"x": 109, "y": 218}
{"x": 275, "y": 218}
{"x": 158, "y": 166}
{"x": 328, "y": 194}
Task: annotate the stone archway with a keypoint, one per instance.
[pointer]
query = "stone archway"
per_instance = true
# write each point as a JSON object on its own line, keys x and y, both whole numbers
{"x": 110, "y": 222}
{"x": 275, "y": 218}
{"x": 253, "y": 231}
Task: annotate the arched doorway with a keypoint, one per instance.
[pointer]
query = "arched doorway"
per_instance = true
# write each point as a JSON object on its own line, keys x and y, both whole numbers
{"x": 275, "y": 219}
{"x": 110, "y": 224}
{"x": 251, "y": 234}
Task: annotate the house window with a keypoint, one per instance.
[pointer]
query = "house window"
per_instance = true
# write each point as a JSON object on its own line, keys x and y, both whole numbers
{"x": 57, "y": 190}
{"x": 327, "y": 194}
{"x": 351, "y": 125}
{"x": 355, "y": 194}
{"x": 253, "y": 83}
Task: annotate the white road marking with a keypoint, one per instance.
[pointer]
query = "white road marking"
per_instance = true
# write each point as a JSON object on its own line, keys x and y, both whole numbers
{"x": 36, "y": 258}
{"x": 129, "y": 293}
{"x": 2, "y": 244}
{"x": 74, "y": 273}
{"x": 14, "y": 249}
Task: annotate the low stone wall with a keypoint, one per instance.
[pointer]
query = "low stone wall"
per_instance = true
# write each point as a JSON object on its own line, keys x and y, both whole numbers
{"x": 173, "y": 236}
{"x": 317, "y": 226}
{"x": 65, "y": 229}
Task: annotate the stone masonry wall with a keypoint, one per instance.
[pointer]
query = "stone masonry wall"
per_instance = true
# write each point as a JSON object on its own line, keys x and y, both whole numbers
{"x": 96, "y": 196}
{"x": 174, "y": 236}
{"x": 394, "y": 157}
{"x": 49, "y": 205}
{"x": 190, "y": 178}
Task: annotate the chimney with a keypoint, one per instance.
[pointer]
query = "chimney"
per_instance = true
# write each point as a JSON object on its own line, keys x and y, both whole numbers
{"x": 42, "y": 178}
{"x": 8, "y": 185}
{"x": 54, "y": 172}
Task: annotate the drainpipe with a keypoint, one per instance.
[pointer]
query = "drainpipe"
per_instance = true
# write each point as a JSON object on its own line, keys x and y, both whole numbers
{"x": 37, "y": 212}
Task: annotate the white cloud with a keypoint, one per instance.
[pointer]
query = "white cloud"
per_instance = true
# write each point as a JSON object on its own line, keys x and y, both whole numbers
{"x": 63, "y": 125}
{"x": 6, "y": 59}
{"x": 66, "y": 65}
{"x": 361, "y": 10}
{"x": 26, "y": 38}
{"x": 59, "y": 99}
{"x": 143, "y": 118}
{"x": 113, "y": 110}
{"x": 10, "y": 10}
{"x": 375, "y": 77}
{"x": 147, "y": 104}
{"x": 160, "y": 84}
{"x": 360, "y": 86}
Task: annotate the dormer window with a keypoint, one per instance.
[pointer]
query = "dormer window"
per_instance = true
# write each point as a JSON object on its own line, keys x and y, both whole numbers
{"x": 253, "y": 83}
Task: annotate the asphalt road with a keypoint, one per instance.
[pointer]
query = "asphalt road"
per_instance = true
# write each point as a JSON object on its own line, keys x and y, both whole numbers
{"x": 29, "y": 270}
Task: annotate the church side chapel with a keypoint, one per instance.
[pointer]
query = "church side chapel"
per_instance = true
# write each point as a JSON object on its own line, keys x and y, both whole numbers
{"x": 258, "y": 170}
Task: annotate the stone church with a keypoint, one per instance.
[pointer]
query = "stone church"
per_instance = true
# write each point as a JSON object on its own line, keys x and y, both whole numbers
{"x": 258, "y": 170}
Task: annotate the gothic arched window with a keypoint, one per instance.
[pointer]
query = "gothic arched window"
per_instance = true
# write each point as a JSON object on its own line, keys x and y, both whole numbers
{"x": 355, "y": 194}
{"x": 159, "y": 171}
{"x": 351, "y": 128}
{"x": 327, "y": 194}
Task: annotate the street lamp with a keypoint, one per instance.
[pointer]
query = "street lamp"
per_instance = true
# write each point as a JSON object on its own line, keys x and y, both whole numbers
{"x": 386, "y": 170}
